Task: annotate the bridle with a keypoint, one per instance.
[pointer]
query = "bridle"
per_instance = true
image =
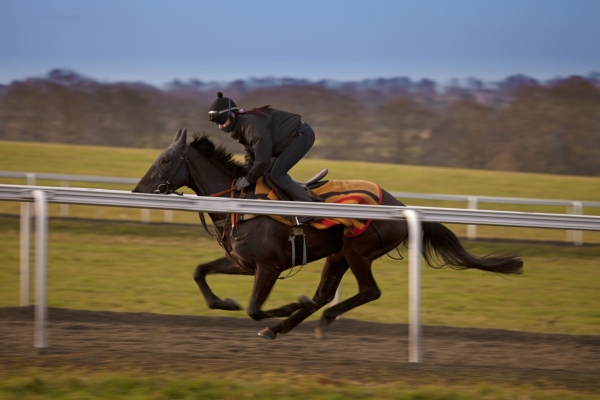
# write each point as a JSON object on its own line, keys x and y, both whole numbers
{"x": 165, "y": 188}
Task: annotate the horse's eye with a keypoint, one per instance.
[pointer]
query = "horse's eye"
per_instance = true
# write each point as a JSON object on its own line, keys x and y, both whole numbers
{"x": 165, "y": 161}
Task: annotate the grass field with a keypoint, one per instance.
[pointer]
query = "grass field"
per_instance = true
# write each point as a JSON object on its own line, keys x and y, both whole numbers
{"x": 69, "y": 384}
{"x": 127, "y": 266}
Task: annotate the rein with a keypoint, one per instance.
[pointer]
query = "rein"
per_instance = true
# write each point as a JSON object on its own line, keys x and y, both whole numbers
{"x": 234, "y": 217}
{"x": 223, "y": 192}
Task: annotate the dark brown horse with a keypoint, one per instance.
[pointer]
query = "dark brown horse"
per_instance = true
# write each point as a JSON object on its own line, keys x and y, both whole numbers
{"x": 260, "y": 246}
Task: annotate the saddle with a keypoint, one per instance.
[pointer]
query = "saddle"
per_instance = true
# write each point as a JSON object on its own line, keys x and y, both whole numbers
{"x": 335, "y": 191}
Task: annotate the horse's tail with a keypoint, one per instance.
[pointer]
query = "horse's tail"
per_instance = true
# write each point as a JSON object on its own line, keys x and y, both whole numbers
{"x": 441, "y": 248}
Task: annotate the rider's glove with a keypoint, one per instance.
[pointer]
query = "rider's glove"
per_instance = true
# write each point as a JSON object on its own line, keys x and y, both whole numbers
{"x": 242, "y": 182}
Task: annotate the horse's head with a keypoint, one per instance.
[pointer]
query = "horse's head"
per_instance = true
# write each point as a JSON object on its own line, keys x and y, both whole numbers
{"x": 170, "y": 170}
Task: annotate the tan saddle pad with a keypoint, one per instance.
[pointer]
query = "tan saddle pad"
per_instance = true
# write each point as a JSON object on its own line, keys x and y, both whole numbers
{"x": 340, "y": 192}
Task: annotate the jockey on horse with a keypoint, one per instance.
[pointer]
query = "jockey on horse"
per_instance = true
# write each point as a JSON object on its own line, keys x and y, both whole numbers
{"x": 265, "y": 133}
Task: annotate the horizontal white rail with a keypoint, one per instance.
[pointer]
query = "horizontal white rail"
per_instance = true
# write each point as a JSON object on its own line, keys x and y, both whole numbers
{"x": 67, "y": 177}
{"x": 408, "y": 195}
{"x": 573, "y": 206}
{"x": 494, "y": 199}
{"x": 118, "y": 198}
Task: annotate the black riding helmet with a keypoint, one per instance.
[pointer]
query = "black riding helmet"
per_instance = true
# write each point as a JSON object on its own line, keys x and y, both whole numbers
{"x": 220, "y": 109}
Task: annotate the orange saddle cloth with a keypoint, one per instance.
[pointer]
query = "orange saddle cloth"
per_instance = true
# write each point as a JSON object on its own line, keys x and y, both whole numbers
{"x": 340, "y": 192}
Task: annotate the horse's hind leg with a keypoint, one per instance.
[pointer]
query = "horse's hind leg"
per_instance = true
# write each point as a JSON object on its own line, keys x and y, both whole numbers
{"x": 220, "y": 266}
{"x": 367, "y": 290}
{"x": 333, "y": 271}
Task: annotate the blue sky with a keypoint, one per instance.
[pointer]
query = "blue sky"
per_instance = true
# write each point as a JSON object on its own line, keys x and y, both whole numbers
{"x": 158, "y": 41}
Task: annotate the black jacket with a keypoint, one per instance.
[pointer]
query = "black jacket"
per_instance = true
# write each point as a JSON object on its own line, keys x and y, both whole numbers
{"x": 264, "y": 138}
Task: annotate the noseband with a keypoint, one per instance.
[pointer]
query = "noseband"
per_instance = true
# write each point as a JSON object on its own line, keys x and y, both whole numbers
{"x": 165, "y": 188}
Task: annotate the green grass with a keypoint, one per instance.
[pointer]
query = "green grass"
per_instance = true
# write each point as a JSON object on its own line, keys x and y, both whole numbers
{"x": 79, "y": 384}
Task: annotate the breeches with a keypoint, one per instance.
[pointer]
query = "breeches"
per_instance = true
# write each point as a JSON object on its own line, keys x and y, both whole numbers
{"x": 291, "y": 155}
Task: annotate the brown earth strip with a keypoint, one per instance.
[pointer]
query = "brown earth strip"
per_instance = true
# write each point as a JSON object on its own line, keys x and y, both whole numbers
{"x": 353, "y": 350}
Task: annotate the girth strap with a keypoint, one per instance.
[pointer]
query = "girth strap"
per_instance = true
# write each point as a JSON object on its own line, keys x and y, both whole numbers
{"x": 298, "y": 247}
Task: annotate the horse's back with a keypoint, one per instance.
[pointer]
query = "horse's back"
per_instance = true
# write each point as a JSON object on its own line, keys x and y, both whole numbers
{"x": 388, "y": 200}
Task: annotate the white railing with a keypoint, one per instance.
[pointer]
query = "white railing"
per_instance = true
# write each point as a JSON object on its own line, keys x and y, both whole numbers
{"x": 414, "y": 215}
{"x": 573, "y": 206}
{"x": 119, "y": 198}
{"x": 33, "y": 176}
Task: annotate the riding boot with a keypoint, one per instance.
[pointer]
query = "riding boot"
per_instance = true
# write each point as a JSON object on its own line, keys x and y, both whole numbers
{"x": 297, "y": 193}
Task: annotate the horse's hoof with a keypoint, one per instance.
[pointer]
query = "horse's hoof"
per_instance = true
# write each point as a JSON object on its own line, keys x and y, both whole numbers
{"x": 232, "y": 305}
{"x": 307, "y": 302}
{"x": 267, "y": 333}
{"x": 320, "y": 333}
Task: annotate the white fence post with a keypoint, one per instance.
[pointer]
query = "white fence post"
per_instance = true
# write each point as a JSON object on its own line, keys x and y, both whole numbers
{"x": 25, "y": 253}
{"x": 415, "y": 240}
{"x": 30, "y": 178}
{"x": 145, "y": 215}
{"x": 575, "y": 236}
{"x": 25, "y": 247}
{"x": 64, "y": 208}
{"x": 472, "y": 229}
{"x": 41, "y": 245}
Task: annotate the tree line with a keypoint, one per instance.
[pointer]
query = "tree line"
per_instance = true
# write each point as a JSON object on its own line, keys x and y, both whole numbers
{"x": 519, "y": 124}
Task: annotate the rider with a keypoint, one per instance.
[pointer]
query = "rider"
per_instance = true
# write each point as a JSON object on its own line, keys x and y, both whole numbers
{"x": 266, "y": 132}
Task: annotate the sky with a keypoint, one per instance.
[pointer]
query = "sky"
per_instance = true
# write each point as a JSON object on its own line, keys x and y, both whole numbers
{"x": 156, "y": 41}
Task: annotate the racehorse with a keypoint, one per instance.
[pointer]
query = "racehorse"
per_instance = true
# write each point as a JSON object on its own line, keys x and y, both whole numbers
{"x": 260, "y": 246}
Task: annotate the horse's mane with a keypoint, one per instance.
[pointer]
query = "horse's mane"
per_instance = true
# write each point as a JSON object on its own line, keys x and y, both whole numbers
{"x": 218, "y": 154}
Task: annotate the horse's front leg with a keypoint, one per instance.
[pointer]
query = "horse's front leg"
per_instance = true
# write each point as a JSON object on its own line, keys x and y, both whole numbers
{"x": 224, "y": 266}
{"x": 219, "y": 266}
{"x": 264, "y": 280}
{"x": 331, "y": 276}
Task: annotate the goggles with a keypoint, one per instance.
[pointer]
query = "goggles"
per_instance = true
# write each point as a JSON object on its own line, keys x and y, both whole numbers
{"x": 217, "y": 117}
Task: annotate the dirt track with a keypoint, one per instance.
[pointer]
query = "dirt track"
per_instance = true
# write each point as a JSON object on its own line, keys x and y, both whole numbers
{"x": 354, "y": 350}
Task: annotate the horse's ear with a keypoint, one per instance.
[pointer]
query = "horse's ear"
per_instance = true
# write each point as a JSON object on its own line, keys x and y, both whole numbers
{"x": 177, "y": 135}
{"x": 181, "y": 138}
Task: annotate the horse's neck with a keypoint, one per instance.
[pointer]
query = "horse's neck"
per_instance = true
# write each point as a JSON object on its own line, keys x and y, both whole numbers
{"x": 207, "y": 181}
{"x": 207, "y": 178}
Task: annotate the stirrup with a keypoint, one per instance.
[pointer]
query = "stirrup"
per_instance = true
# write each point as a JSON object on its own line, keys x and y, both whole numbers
{"x": 301, "y": 220}
{"x": 314, "y": 179}
{"x": 317, "y": 177}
